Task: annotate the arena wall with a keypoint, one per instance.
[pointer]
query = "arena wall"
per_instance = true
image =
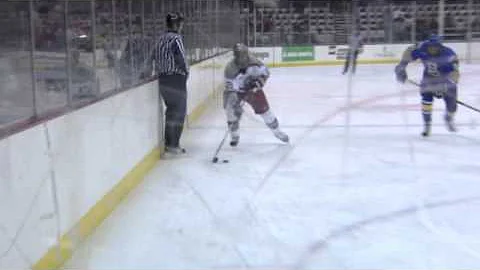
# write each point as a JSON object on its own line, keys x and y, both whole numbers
{"x": 335, "y": 55}
{"x": 60, "y": 179}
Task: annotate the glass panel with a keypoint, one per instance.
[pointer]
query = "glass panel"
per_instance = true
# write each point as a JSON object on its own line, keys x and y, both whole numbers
{"x": 83, "y": 82}
{"x": 122, "y": 33}
{"x": 229, "y": 33}
{"x": 149, "y": 19}
{"x": 456, "y": 20}
{"x": 210, "y": 21}
{"x": 50, "y": 55}
{"x": 193, "y": 38}
{"x": 105, "y": 53}
{"x": 475, "y": 19}
{"x": 138, "y": 48}
{"x": 199, "y": 29}
{"x": 16, "y": 88}
{"x": 188, "y": 30}
{"x": 151, "y": 31}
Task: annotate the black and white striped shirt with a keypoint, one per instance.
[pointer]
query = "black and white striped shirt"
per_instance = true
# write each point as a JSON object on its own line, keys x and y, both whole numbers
{"x": 169, "y": 55}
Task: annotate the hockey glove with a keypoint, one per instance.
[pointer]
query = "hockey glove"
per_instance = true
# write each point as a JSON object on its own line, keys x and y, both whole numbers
{"x": 255, "y": 84}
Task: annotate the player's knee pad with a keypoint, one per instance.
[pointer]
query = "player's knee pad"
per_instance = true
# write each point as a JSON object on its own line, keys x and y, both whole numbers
{"x": 237, "y": 112}
{"x": 270, "y": 119}
{"x": 230, "y": 99}
{"x": 232, "y": 106}
{"x": 226, "y": 97}
{"x": 233, "y": 115}
{"x": 233, "y": 126}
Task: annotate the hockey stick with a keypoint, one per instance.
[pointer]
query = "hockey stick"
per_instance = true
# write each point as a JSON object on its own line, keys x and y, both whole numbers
{"x": 220, "y": 146}
{"x": 222, "y": 142}
{"x": 458, "y": 101}
{"x": 468, "y": 106}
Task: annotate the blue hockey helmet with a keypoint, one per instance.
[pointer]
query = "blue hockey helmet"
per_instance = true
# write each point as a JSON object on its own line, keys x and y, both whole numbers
{"x": 434, "y": 38}
{"x": 433, "y": 45}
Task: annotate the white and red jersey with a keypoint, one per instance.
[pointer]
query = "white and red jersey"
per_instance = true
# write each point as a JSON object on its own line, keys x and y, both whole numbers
{"x": 252, "y": 75}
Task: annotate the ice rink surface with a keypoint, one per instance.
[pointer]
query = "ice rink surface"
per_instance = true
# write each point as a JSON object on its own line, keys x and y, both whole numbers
{"x": 357, "y": 187}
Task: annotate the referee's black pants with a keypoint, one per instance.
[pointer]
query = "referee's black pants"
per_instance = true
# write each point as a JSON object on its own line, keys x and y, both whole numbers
{"x": 173, "y": 90}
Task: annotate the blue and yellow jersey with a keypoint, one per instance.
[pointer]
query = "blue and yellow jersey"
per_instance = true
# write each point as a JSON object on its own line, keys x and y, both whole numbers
{"x": 443, "y": 63}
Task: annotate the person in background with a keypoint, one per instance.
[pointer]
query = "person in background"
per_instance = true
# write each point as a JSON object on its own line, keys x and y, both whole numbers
{"x": 245, "y": 78}
{"x": 355, "y": 47}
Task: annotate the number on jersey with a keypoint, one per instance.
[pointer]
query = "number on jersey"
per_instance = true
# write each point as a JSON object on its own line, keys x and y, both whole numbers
{"x": 432, "y": 69}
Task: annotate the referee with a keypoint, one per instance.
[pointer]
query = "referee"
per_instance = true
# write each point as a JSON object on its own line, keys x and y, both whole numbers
{"x": 171, "y": 68}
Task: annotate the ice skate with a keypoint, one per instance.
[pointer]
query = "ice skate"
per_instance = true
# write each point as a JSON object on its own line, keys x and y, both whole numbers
{"x": 450, "y": 123}
{"x": 175, "y": 150}
{"x": 172, "y": 152}
{"x": 234, "y": 139}
{"x": 427, "y": 130}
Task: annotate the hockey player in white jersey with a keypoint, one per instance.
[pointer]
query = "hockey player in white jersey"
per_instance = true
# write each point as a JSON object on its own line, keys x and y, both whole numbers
{"x": 245, "y": 77}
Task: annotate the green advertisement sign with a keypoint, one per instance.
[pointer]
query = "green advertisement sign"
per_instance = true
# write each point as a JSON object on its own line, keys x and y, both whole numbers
{"x": 298, "y": 53}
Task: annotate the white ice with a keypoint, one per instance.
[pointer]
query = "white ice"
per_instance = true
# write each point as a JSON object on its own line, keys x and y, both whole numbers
{"x": 357, "y": 188}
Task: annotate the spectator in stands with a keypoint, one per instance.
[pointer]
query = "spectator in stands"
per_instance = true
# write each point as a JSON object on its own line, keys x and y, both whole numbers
{"x": 476, "y": 24}
{"x": 450, "y": 22}
{"x": 355, "y": 47}
{"x": 316, "y": 36}
{"x": 267, "y": 24}
{"x": 133, "y": 58}
{"x": 399, "y": 27}
{"x": 109, "y": 51}
{"x": 433, "y": 25}
{"x": 83, "y": 77}
{"x": 422, "y": 29}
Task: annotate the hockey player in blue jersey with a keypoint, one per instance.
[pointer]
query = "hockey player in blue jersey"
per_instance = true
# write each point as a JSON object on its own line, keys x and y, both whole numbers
{"x": 440, "y": 78}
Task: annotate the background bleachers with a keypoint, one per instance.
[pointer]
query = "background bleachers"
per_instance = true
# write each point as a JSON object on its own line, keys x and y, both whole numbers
{"x": 330, "y": 22}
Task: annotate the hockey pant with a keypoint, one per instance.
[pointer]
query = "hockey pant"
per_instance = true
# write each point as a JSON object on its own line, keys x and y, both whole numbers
{"x": 351, "y": 59}
{"x": 173, "y": 90}
{"x": 438, "y": 89}
{"x": 232, "y": 102}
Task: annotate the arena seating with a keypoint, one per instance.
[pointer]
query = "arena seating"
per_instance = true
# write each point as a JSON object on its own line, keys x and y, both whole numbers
{"x": 374, "y": 21}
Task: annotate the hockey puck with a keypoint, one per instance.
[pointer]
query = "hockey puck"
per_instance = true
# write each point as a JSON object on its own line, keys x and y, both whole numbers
{"x": 225, "y": 161}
